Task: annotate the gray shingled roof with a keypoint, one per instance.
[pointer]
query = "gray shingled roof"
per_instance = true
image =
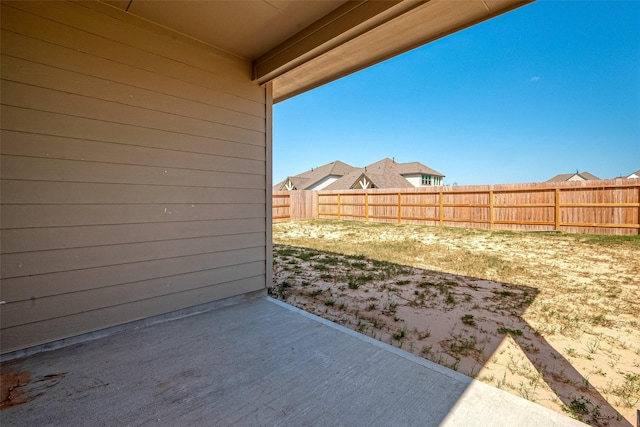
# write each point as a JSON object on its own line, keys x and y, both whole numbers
{"x": 637, "y": 173}
{"x": 417, "y": 167}
{"x": 385, "y": 173}
{"x": 307, "y": 179}
{"x": 566, "y": 176}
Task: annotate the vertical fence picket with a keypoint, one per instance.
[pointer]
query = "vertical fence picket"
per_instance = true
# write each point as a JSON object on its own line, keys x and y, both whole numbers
{"x": 557, "y": 210}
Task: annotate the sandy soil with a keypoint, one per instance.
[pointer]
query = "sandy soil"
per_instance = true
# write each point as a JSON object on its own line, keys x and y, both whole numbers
{"x": 549, "y": 318}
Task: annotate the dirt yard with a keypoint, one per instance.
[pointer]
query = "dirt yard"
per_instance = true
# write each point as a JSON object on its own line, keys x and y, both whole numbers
{"x": 552, "y": 318}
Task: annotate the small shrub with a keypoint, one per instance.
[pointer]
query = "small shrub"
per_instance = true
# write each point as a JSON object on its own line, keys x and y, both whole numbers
{"x": 593, "y": 346}
{"x": 467, "y": 319}
{"x": 582, "y": 409}
{"x": 400, "y": 334}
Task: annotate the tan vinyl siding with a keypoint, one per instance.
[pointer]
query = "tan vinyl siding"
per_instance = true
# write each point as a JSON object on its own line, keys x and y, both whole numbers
{"x": 133, "y": 172}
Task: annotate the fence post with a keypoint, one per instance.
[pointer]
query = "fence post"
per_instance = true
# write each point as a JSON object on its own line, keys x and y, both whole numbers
{"x": 557, "y": 209}
{"x": 491, "y": 210}
{"x": 339, "y": 207}
{"x": 399, "y": 208}
{"x": 366, "y": 206}
{"x": 441, "y": 208}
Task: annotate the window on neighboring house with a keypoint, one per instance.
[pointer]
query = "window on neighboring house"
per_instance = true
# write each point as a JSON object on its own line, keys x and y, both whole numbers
{"x": 427, "y": 179}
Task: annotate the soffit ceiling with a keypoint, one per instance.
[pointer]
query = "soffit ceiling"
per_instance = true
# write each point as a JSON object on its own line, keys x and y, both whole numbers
{"x": 245, "y": 28}
{"x": 299, "y": 45}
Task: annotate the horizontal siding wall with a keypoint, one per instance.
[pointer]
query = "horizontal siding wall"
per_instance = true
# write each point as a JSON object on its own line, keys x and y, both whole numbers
{"x": 133, "y": 172}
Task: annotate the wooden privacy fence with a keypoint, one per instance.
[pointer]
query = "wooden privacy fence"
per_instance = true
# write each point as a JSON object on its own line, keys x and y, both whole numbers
{"x": 600, "y": 207}
{"x": 294, "y": 205}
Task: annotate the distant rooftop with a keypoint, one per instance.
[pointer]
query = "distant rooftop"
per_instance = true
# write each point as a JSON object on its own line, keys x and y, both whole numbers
{"x": 386, "y": 173}
{"x": 577, "y": 176}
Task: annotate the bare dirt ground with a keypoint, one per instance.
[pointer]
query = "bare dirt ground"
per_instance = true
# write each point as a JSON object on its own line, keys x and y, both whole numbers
{"x": 552, "y": 318}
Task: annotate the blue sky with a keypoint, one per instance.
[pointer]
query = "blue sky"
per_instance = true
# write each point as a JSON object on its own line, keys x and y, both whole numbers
{"x": 546, "y": 89}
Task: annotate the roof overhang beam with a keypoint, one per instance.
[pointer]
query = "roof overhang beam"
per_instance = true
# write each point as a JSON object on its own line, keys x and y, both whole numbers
{"x": 400, "y": 27}
{"x": 353, "y": 19}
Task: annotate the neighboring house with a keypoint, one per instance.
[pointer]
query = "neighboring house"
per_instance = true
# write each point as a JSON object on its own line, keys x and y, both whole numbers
{"x": 635, "y": 174}
{"x": 386, "y": 173}
{"x": 316, "y": 178}
{"x": 578, "y": 176}
{"x": 137, "y": 144}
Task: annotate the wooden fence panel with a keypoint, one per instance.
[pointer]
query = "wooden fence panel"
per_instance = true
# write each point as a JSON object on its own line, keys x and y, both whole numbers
{"x": 304, "y": 205}
{"x": 281, "y": 206}
{"x": 595, "y": 207}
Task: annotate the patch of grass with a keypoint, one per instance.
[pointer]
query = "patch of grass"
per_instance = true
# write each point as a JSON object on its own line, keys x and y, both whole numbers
{"x": 450, "y": 299}
{"x": 593, "y": 346}
{"x": 403, "y": 282}
{"x": 467, "y": 319}
{"x": 571, "y": 352}
{"x": 463, "y": 345}
{"x": 601, "y": 320}
{"x": 508, "y": 331}
{"x": 285, "y": 251}
{"x": 584, "y": 410}
{"x": 307, "y": 255}
{"x": 604, "y": 240}
{"x": 330, "y": 302}
{"x": 390, "y": 308}
{"x": 281, "y": 290}
{"x": 355, "y": 281}
{"x": 398, "y": 336}
{"x": 629, "y": 391}
{"x": 328, "y": 260}
{"x": 424, "y": 334}
{"x": 425, "y": 284}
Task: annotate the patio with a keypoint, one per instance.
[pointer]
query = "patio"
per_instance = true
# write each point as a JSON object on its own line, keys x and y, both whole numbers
{"x": 256, "y": 362}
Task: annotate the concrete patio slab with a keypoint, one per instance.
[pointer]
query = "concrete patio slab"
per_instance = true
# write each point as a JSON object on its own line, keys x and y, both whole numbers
{"x": 256, "y": 363}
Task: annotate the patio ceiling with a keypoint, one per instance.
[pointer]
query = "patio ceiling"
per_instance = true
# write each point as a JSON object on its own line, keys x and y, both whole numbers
{"x": 300, "y": 45}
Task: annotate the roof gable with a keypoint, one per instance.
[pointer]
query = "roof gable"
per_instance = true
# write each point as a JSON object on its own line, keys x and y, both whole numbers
{"x": 417, "y": 168}
{"x": 305, "y": 180}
